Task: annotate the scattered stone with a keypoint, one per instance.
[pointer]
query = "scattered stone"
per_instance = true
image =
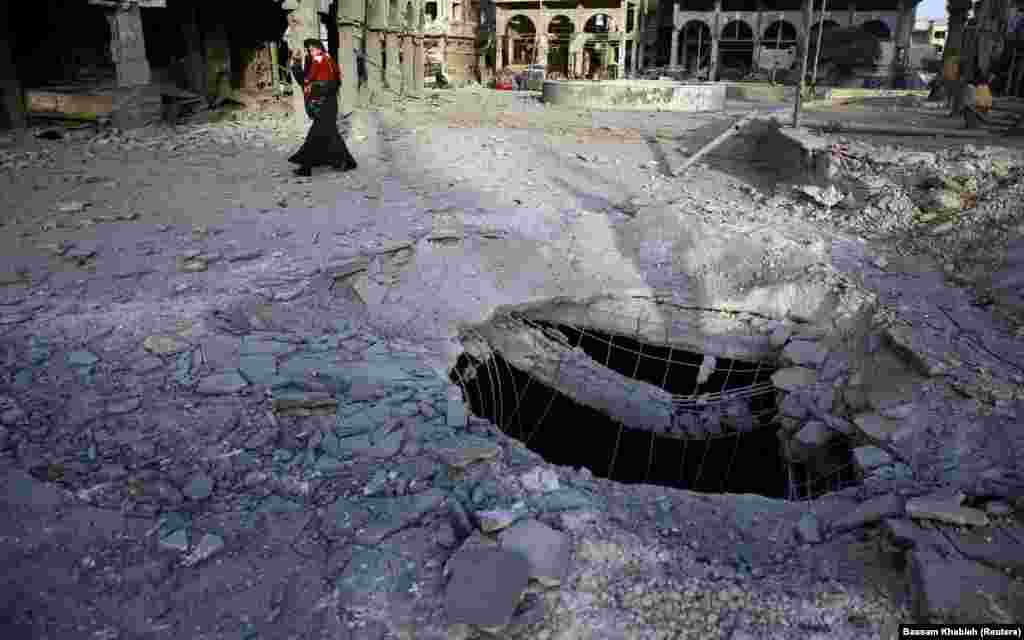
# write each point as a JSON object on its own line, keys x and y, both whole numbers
{"x": 540, "y": 480}
{"x": 71, "y": 206}
{"x": 304, "y": 403}
{"x": 485, "y": 586}
{"x": 222, "y": 384}
{"x": 495, "y": 520}
{"x": 194, "y": 265}
{"x": 546, "y": 550}
{"x": 924, "y": 509}
{"x": 122, "y": 406}
{"x": 903, "y": 534}
{"x": 780, "y": 335}
{"x": 998, "y": 508}
{"x": 875, "y": 426}
{"x": 953, "y": 590}
{"x": 869, "y": 512}
{"x": 462, "y": 452}
{"x": 813, "y": 436}
{"x": 804, "y": 353}
{"x": 244, "y": 255}
{"x": 457, "y": 414}
{"x": 164, "y": 345}
{"x": 146, "y": 365}
{"x": 809, "y": 528}
{"x": 208, "y": 545}
{"x": 362, "y": 391}
{"x": 200, "y": 487}
{"x": 176, "y": 541}
{"x": 794, "y": 378}
{"x": 826, "y": 197}
{"x": 868, "y": 459}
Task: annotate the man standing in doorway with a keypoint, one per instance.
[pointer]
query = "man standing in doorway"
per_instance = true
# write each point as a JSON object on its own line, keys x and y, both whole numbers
{"x": 320, "y": 78}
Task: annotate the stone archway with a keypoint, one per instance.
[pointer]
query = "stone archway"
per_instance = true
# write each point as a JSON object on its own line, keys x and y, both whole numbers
{"x": 736, "y": 48}
{"x": 598, "y": 23}
{"x": 695, "y": 45}
{"x": 560, "y": 33}
{"x": 779, "y": 35}
{"x": 522, "y": 36}
{"x": 598, "y": 52}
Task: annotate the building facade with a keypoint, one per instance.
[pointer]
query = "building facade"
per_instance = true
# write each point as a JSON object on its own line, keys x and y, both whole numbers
{"x": 124, "y": 59}
{"x": 931, "y": 33}
{"x": 455, "y": 37}
{"x": 717, "y": 37}
{"x": 589, "y": 39}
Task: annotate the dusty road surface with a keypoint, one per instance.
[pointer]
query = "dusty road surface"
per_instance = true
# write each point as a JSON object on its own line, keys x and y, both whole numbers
{"x": 229, "y": 408}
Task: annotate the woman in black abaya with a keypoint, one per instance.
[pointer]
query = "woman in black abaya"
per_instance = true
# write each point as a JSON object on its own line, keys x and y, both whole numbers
{"x": 320, "y": 78}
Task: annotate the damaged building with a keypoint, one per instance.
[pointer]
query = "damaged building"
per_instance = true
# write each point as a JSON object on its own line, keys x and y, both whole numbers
{"x": 592, "y": 39}
{"x": 732, "y": 39}
{"x": 133, "y": 62}
{"x": 458, "y": 37}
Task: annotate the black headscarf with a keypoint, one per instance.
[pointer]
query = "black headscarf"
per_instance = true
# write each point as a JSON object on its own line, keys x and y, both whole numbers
{"x": 313, "y": 42}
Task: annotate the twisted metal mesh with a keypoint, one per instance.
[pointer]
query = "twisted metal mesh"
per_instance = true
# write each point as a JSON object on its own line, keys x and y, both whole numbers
{"x": 720, "y": 411}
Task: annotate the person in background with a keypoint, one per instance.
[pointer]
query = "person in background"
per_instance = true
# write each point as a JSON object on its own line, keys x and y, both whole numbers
{"x": 977, "y": 100}
{"x": 320, "y": 78}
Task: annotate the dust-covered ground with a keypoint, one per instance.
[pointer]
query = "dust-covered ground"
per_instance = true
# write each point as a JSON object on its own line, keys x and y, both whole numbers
{"x": 225, "y": 399}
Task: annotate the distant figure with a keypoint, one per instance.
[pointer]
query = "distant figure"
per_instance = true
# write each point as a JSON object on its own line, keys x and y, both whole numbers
{"x": 977, "y": 101}
{"x": 320, "y": 78}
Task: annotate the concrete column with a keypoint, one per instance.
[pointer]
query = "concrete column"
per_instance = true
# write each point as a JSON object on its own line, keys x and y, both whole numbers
{"x": 349, "y": 96}
{"x": 374, "y": 61}
{"x": 303, "y": 22}
{"x": 218, "y": 61}
{"x": 716, "y": 35}
{"x": 195, "y": 66}
{"x": 758, "y": 33}
{"x": 417, "y": 66}
{"x": 901, "y": 39}
{"x": 408, "y": 70}
{"x": 642, "y": 38}
{"x": 542, "y": 50}
{"x": 481, "y": 67}
{"x": 128, "y": 46}
{"x": 674, "y": 52}
{"x": 12, "y": 101}
{"x": 442, "y": 45}
{"x": 393, "y": 72}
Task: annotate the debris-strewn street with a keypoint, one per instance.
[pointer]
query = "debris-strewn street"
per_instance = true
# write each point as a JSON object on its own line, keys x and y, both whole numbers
{"x": 227, "y": 408}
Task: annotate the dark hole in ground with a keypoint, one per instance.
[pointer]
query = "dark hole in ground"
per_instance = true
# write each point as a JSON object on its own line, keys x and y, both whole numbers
{"x": 569, "y": 434}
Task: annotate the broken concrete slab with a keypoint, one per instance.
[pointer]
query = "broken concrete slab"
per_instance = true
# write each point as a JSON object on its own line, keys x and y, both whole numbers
{"x": 485, "y": 586}
{"x": 875, "y": 426}
{"x": 546, "y": 550}
{"x": 227, "y": 383}
{"x": 794, "y": 378}
{"x": 804, "y": 353}
{"x": 960, "y": 591}
{"x": 870, "y": 512}
{"x": 165, "y": 345}
{"x": 924, "y": 509}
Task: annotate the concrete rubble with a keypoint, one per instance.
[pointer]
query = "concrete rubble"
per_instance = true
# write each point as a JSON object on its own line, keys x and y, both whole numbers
{"x": 187, "y": 453}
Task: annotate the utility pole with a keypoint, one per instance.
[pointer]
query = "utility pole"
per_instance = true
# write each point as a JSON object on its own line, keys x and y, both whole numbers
{"x": 817, "y": 48}
{"x": 808, "y": 19}
{"x": 951, "y": 71}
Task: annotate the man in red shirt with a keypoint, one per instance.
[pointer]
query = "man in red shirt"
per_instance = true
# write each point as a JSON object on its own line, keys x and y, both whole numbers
{"x": 320, "y": 78}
